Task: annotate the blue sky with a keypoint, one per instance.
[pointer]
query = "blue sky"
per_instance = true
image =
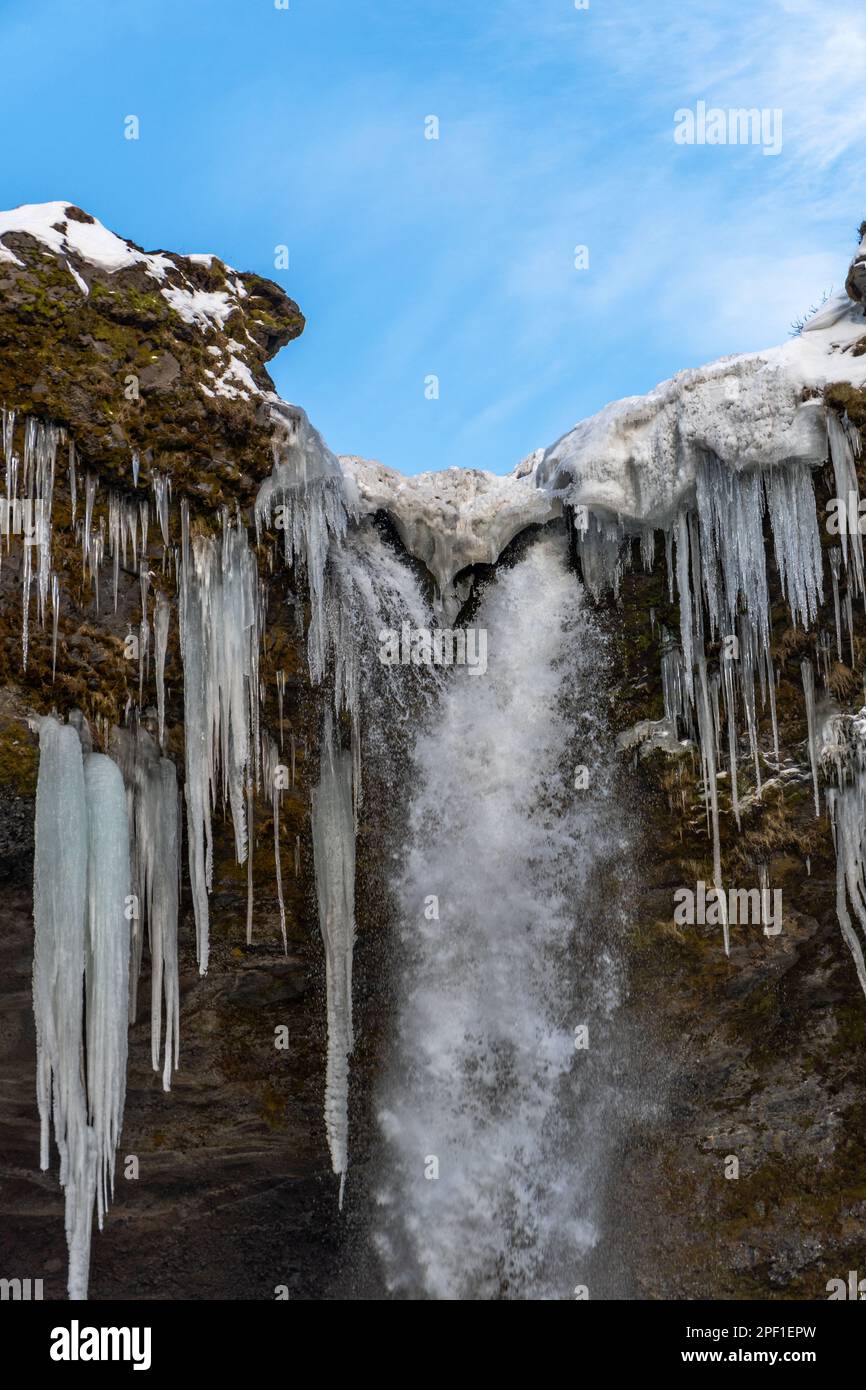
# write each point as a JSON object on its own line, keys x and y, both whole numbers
{"x": 455, "y": 257}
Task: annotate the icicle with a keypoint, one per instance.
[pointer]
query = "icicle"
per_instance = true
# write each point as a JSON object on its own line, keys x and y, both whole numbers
{"x": 55, "y": 620}
{"x": 107, "y": 968}
{"x": 685, "y": 595}
{"x": 143, "y": 631}
{"x": 849, "y": 622}
{"x": 250, "y": 811}
{"x": 152, "y": 792}
{"x": 796, "y": 539}
{"x": 59, "y": 902}
{"x": 135, "y": 467}
{"x": 161, "y": 494}
{"x": 81, "y": 886}
{"x": 275, "y": 801}
{"x": 835, "y": 566}
{"x": 306, "y": 497}
{"x": 160, "y": 623}
{"x": 844, "y": 445}
{"x": 334, "y": 850}
{"x": 219, "y": 644}
{"x": 843, "y": 756}
{"x": 73, "y": 481}
{"x": 708, "y": 741}
{"x": 809, "y": 691}
{"x": 114, "y": 538}
{"x": 281, "y": 690}
{"x": 731, "y": 719}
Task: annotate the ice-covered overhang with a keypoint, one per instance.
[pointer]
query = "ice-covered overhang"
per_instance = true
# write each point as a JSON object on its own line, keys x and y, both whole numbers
{"x": 453, "y": 519}
{"x": 637, "y": 460}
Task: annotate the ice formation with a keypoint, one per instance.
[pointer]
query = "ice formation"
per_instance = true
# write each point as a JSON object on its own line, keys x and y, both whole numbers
{"x": 308, "y": 499}
{"x": 220, "y": 632}
{"x": 154, "y": 819}
{"x": 27, "y": 512}
{"x": 453, "y": 519}
{"x": 334, "y": 848}
{"x": 81, "y": 950}
{"x": 106, "y": 962}
{"x": 843, "y": 754}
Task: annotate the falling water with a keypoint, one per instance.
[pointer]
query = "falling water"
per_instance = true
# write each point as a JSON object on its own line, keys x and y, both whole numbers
{"x": 496, "y": 1124}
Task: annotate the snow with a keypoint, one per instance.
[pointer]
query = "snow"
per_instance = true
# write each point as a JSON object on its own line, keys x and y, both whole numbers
{"x": 207, "y": 309}
{"x": 82, "y": 284}
{"x": 236, "y": 381}
{"x": 64, "y": 235}
{"x": 638, "y": 459}
{"x": 94, "y": 244}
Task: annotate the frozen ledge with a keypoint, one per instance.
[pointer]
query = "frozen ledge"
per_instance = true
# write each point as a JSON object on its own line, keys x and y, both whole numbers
{"x": 637, "y": 462}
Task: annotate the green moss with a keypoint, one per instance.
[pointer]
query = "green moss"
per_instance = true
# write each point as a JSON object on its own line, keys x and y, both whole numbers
{"x": 19, "y": 758}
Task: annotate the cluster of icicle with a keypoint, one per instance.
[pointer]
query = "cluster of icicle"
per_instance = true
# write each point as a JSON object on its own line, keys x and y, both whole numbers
{"x": 716, "y": 564}
{"x": 28, "y": 506}
{"x": 106, "y": 864}
{"x": 356, "y": 586}
{"x": 153, "y": 816}
{"x": 28, "y": 512}
{"x": 367, "y": 587}
{"x": 305, "y": 498}
{"x": 220, "y": 630}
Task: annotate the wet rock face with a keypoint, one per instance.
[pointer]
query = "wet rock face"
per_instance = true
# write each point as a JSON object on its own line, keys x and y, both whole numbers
{"x": 751, "y": 1056}
{"x": 156, "y": 353}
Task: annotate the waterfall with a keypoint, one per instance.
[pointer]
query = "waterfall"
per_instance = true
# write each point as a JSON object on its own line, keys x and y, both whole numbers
{"x": 495, "y": 1118}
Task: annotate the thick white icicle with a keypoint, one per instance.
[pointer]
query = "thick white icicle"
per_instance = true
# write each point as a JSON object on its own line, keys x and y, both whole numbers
{"x": 107, "y": 964}
{"x": 59, "y": 900}
{"x": 81, "y": 885}
{"x": 334, "y": 846}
